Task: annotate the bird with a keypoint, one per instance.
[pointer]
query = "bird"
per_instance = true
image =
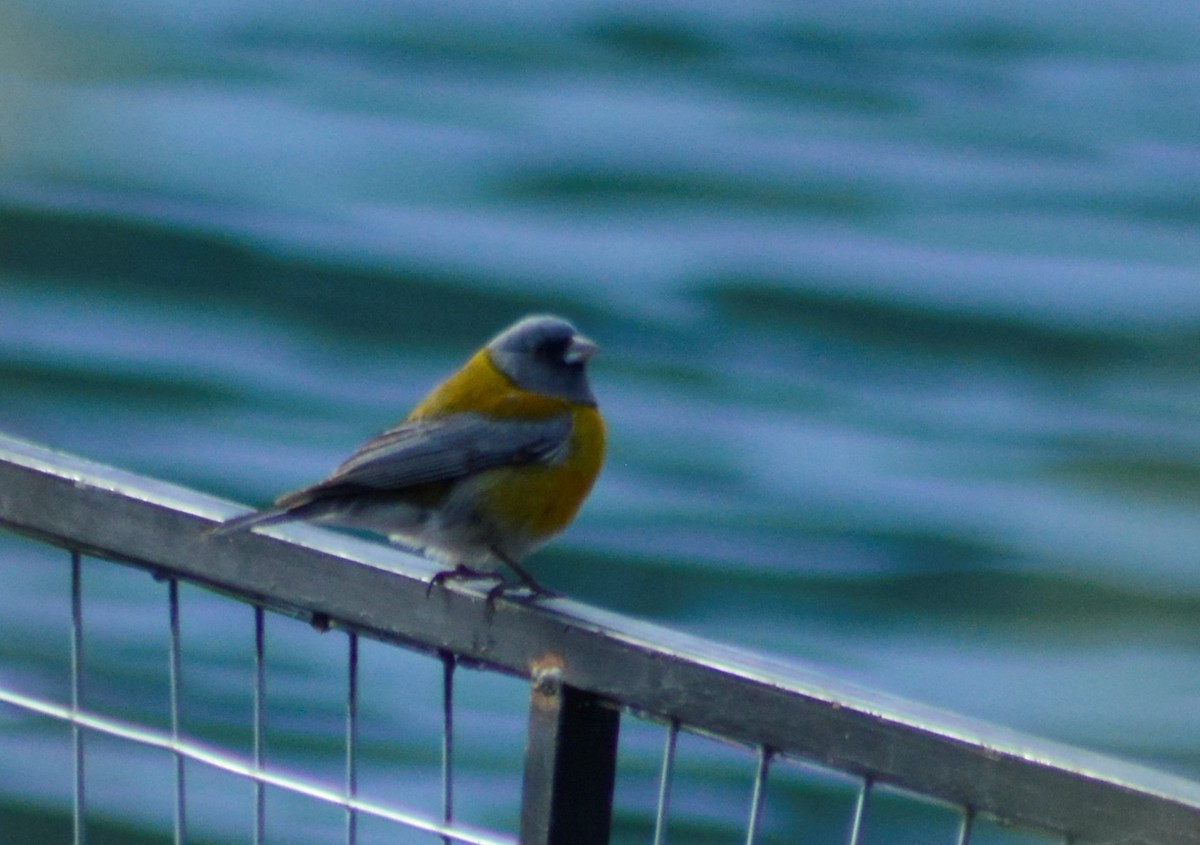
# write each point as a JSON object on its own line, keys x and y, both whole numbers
{"x": 492, "y": 463}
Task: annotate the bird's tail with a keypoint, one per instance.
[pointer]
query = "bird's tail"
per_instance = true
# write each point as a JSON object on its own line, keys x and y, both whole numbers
{"x": 249, "y": 520}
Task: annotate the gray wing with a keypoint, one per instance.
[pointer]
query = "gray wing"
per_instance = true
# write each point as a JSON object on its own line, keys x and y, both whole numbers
{"x": 425, "y": 451}
{"x": 419, "y": 452}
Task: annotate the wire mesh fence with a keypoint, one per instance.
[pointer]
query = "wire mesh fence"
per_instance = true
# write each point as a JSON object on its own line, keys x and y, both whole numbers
{"x": 611, "y": 730}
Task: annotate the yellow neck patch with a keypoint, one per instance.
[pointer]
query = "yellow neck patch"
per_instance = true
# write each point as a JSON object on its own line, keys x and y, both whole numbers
{"x": 480, "y": 388}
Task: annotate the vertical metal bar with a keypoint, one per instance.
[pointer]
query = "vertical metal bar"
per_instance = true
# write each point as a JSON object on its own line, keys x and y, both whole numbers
{"x": 858, "y": 825}
{"x": 964, "y": 829}
{"x": 176, "y": 714}
{"x": 664, "y": 785}
{"x": 570, "y": 763}
{"x": 448, "y": 666}
{"x": 260, "y": 707}
{"x": 352, "y": 740}
{"x": 79, "y": 804}
{"x": 760, "y": 795}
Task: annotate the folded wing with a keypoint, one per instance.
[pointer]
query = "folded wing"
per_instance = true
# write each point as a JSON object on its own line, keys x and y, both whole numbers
{"x": 433, "y": 450}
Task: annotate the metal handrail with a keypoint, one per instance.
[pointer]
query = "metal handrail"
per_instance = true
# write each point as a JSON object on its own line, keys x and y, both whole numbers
{"x": 777, "y": 706}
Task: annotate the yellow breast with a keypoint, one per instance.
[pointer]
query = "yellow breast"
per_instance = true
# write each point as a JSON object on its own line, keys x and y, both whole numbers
{"x": 544, "y": 498}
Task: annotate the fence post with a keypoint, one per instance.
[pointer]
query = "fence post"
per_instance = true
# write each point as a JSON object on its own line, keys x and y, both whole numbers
{"x": 570, "y": 763}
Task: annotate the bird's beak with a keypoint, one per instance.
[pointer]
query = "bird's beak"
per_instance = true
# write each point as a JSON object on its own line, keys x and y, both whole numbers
{"x": 580, "y": 350}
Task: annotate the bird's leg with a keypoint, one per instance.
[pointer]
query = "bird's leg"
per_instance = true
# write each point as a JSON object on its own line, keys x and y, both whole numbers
{"x": 464, "y": 572}
{"x": 461, "y": 572}
{"x": 489, "y": 603}
{"x": 526, "y": 579}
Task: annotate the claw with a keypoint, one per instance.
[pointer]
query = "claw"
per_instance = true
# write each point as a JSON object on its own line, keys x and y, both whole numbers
{"x": 489, "y": 603}
{"x": 536, "y": 591}
{"x": 462, "y": 572}
{"x": 527, "y": 580}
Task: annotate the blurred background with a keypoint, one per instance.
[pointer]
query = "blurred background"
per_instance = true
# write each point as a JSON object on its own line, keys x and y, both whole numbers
{"x": 898, "y": 306}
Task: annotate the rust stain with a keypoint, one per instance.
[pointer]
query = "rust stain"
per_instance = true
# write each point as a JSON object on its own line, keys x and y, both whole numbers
{"x": 546, "y": 675}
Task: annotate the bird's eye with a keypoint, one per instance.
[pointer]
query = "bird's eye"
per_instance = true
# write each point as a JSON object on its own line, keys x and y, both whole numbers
{"x": 553, "y": 350}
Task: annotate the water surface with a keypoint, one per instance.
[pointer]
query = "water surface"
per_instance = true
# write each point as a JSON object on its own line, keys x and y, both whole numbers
{"x": 898, "y": 306}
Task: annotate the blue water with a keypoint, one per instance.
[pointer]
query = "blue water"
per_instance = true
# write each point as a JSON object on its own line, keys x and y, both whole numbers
{"x": 898, "y": 306}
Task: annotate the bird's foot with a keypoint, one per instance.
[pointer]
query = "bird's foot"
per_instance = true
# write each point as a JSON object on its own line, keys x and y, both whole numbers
{"x": 536, "y": 591}
{"x": 530, "y": 583}
{"x": 462, "y": 572}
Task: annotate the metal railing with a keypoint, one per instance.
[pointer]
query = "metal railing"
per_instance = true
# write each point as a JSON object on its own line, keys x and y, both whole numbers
{"x": 588, "y": 670}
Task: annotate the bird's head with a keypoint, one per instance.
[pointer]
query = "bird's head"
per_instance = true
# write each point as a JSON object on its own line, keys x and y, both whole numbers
{"x": 545, "y": 354}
